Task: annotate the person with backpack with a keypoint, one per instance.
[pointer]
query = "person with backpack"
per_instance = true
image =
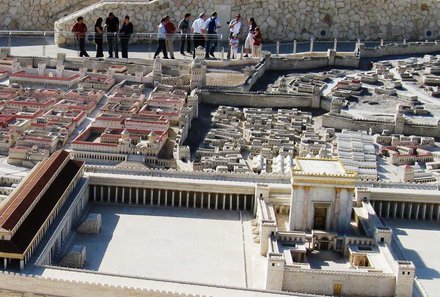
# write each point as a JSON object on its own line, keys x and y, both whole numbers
{"x": 211, "y": 37}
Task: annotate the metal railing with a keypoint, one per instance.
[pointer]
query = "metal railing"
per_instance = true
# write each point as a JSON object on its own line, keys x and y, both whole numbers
{"x": 42, "y": 43}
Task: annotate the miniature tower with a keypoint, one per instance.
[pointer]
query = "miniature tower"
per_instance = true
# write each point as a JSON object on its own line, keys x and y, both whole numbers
{"x": 60, "y": 70}
{"x": 41, "y": 68}
{"x": 152, "y": 137}
{"x": 198, "y": 73}
{"x": 125, "y": 138}
{"x": 157, "y": 70}
{"x": 405, "y": 278}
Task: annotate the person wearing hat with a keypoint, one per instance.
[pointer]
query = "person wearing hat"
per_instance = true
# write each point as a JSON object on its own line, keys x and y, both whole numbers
{"x": 233, "y": 43}
{"x": 198, "y": 30}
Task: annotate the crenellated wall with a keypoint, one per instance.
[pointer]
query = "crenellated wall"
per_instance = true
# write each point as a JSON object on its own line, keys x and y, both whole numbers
{"x": 286, "y": 20}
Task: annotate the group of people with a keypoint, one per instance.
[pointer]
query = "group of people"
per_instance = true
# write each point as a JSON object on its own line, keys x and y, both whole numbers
{"x": 115, "y": 32}
{"x": 202, "y": 32}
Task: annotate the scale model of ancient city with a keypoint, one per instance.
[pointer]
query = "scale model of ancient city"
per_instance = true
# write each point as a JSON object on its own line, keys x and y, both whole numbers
{"x": 307, "y": 167}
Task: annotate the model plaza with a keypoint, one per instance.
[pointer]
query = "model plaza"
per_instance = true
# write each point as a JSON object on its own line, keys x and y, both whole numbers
{"x": 290, "y": 173}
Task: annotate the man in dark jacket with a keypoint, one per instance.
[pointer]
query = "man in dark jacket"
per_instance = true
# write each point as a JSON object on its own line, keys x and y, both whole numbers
{"x": 112, "y": 28}
{"x": 124, "y": 35}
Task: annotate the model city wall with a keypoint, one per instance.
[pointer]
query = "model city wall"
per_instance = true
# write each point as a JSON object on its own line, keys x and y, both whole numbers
{"x": 283, "y": 20}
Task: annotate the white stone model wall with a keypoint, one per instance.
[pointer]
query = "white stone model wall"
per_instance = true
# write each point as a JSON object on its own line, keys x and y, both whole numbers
{"x": 36, "y": 14}
{"x": 322, "y": 282}
{"x": 289, "y": 19}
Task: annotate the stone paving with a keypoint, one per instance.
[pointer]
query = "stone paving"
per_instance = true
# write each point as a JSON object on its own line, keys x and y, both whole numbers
{"x": 191, "y": 245}
{"x": 418, "y": 241}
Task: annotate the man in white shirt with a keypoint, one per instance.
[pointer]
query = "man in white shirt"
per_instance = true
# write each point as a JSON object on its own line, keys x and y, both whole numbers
{"x": 198, "y": 30}
{"x": 234, "y": 28}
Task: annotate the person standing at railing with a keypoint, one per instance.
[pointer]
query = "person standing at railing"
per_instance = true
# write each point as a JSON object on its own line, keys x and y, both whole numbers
{"x": 257, "y": 43}
{"x": 184, "y": 30}
{"x": 234, "y": 28}
{"x": 80, "y": 30}
{"x": 211, "y": 37}
{"x": 233, "y": 46}
{"x": 124, "y": 35}
{"x": 169, "y": 37}
{"x": 112, "y": 27}
{"x": 99, "y": 30}
{"x": 250, "y": 37}
{"x": 161, "y": 46}
{"x": 198, "y": 30}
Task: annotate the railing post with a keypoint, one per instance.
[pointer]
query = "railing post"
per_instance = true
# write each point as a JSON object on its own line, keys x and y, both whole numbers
{"x": 278, "y": 48}
{"x": 294, "y": 46}
{"x": 335, "y": 44}
{"x": 44, "y": 44}
{"x": 312, "y": 40}
{"x": 10, "y": 39}
{"x": 381, "y": 42}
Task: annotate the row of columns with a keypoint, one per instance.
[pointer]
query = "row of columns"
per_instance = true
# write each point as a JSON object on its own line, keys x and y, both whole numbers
{"x": 407, "y": 210}
{"x": 173, "y": 198}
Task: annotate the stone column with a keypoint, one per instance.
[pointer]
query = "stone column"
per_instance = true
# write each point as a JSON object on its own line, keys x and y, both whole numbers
{"x": 431, "y": 211}
{"x": 402, "y": 210}
{"x": 145, "y": 197}
{"x": 166, "y": 197}
{"x": 216, "y": 201}
{"x": 137, "y": 195}
{"x": 380, "y": 208}
{"x": 224, "y": 201}
{"x": 21, "y": 265}
{"x": 172, "y": 198}
{"x": 158, "y": 196}
{"x": 423, "y": 211}
{"x": 94, "y": 193}
{"x": 151, "y": 196}
{"x": 116, "y": 194}
{"x": 180, "y": 198}
{"x": 336, "y": 207}
{"x": 209, "y": 200}
{"x": 388, "y": 209}
{"x": 129, "y": 195}
{"x": 438, "y": 213}
{"x": 102, "y": 194}
{"x": 395, "y": 210}
{"x": 245, "y": 201}
{"x": 238, "y": 201}
{"x": 417, "y": 210}
{"x": 108, "y": 193}
{"x": 230, "y": 201}
{"x": 123, "y": 194}
{"x": 410, "y": 211}
{"x": 194, "y": 199}
{"x": 5, "y": 263}
{"x": 187, "y": 199}
{"x": 201, "y": 200}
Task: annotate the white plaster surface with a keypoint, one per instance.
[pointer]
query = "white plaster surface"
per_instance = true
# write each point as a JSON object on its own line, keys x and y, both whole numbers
{"x": 320, "y": 167}
{"x": 168, "y": 243}
{"x": 419, "y": 242}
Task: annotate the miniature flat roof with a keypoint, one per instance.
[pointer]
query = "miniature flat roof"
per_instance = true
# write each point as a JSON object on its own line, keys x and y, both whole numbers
{"x": 320, "y": 166}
